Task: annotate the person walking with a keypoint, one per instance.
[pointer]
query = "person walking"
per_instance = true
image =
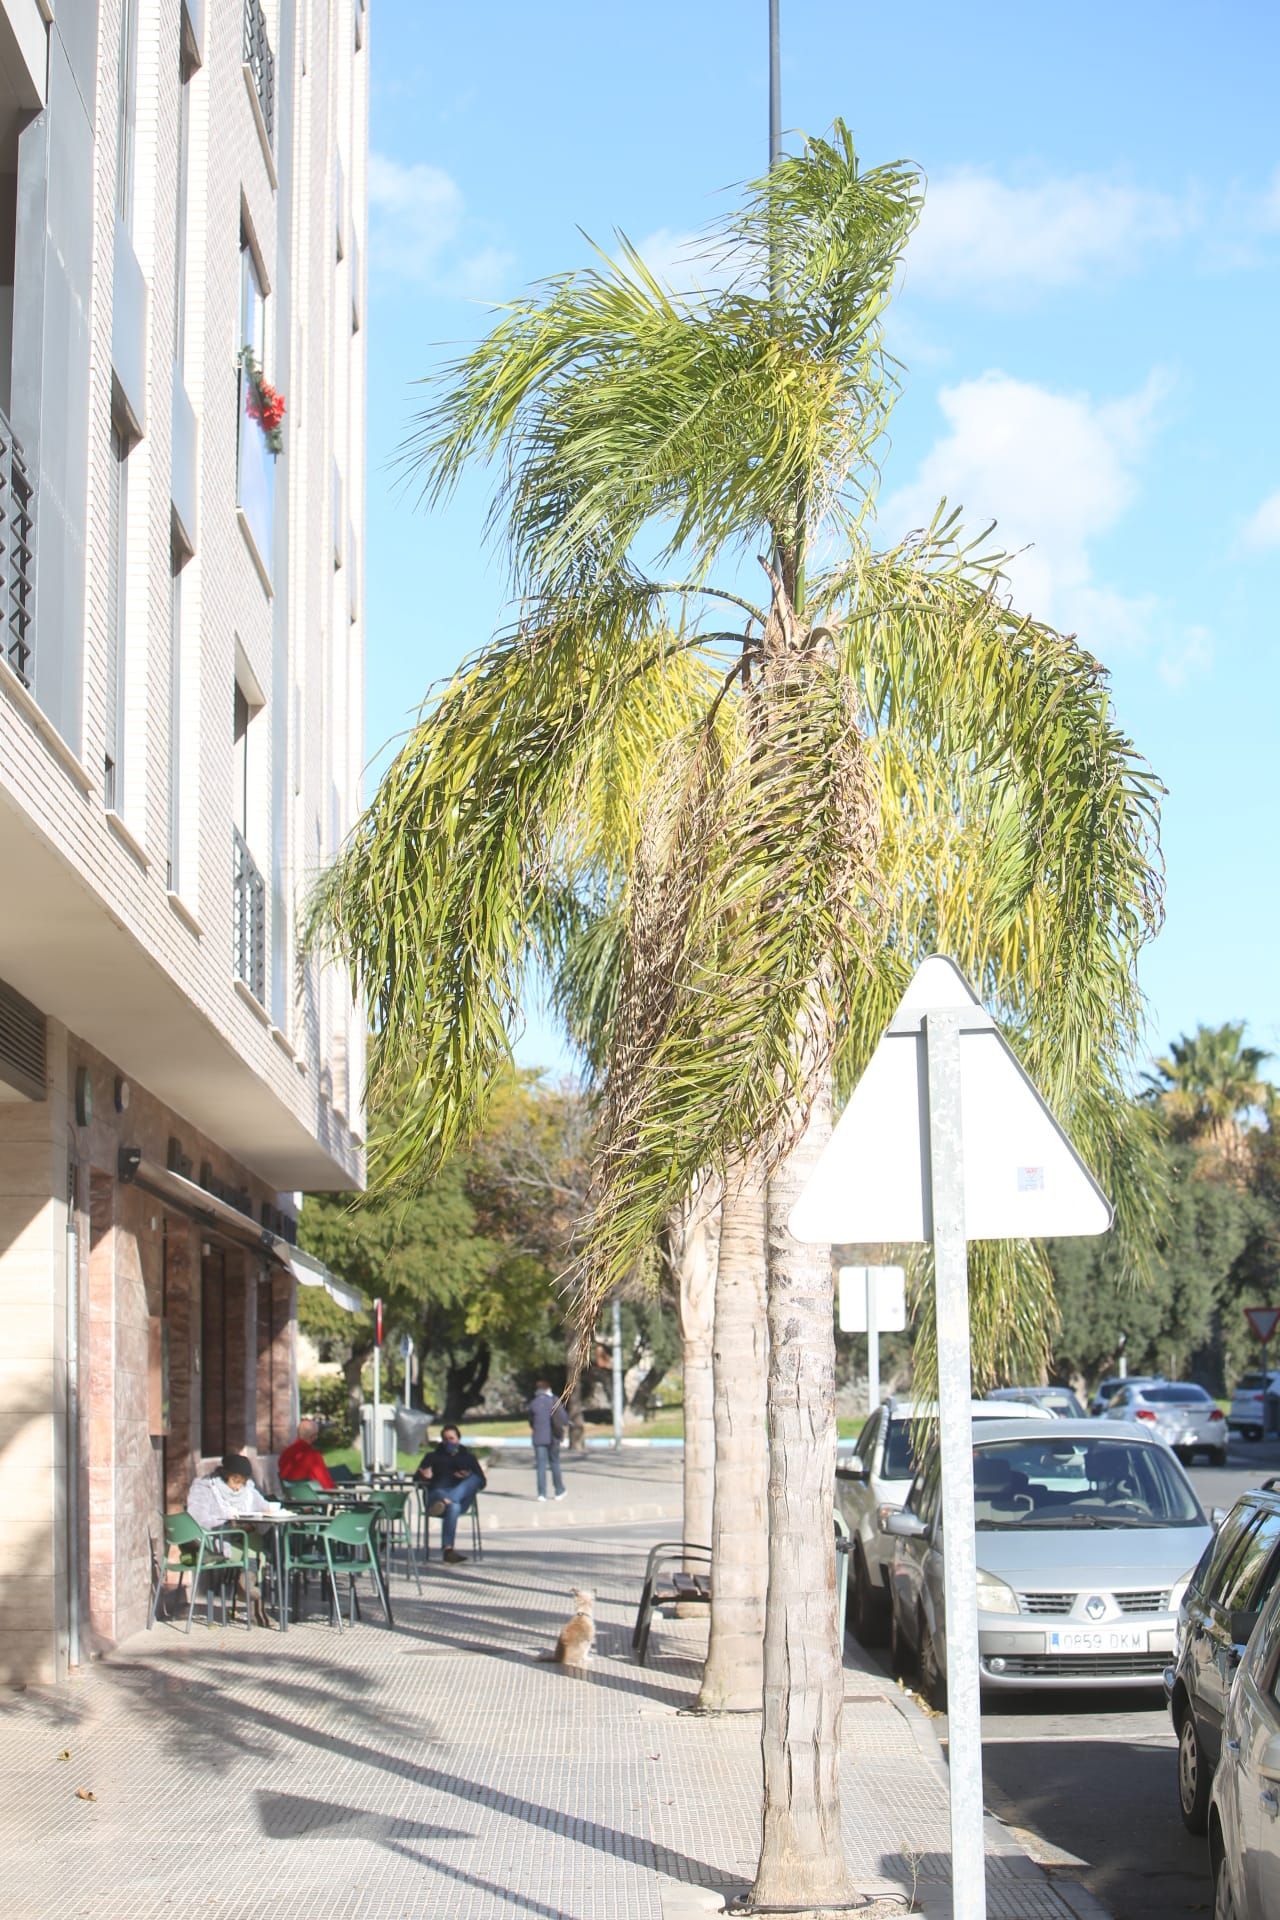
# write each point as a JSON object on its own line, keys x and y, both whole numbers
{"x": 548, "y": 1424}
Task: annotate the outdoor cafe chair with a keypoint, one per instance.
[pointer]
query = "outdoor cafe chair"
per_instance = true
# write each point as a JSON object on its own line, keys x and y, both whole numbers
{"x": 343, "y": 1544}
{"x": 197, "y": 1555}
{"x": 470, "y": 1512}
{"x": 394, "y": 1502}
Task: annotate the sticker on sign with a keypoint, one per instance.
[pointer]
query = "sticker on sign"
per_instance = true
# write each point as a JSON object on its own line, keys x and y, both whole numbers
{"x": 1263, "y": 1320}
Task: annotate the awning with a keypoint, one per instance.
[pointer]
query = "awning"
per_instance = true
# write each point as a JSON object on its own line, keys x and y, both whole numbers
{"x": 220, "y": 1217}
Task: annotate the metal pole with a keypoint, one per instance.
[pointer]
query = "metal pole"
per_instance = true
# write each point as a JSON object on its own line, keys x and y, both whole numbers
{"x": 775, "y": 88}
{"x": 377, "y": 1409}
{"x": 951, "y": 1305}
{"x": 617, "y": 1371}
{"x": 873, "y": 1342}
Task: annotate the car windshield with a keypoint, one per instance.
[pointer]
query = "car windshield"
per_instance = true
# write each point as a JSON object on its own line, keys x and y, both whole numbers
{"x": 1252, "y": 1383}
{"x": 1079, "y": 1483}
{"x": 1175, "y": 1396}
{"x": 900, "y": 1461}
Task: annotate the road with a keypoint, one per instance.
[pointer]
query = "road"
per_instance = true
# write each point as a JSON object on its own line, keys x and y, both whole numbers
{"x": 1087, "y": 1779}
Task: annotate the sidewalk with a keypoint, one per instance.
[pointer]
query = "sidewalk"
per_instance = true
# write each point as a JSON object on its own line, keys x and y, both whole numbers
{"x": 442, "y": 1772}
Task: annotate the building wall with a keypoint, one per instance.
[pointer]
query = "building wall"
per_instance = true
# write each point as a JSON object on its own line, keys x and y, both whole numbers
{"x": 123, "y": 935}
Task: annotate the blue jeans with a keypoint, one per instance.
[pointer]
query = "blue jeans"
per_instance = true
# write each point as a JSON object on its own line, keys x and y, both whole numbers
{"x": 455, "y": 1499}
{"x": 541, "y": 1456}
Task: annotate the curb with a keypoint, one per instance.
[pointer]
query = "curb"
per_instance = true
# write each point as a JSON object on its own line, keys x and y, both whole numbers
{"x": 1074, "y": 1895}
{"x": 553, "y": 1520}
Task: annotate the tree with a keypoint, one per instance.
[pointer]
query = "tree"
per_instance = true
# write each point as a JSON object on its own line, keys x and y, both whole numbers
{"x": 1207, "y": 1086}
{"x": 866, "y": 706}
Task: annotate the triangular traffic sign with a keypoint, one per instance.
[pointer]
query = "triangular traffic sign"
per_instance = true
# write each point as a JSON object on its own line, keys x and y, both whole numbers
{"x": 1022, "y": 1176}
{"x": 1263, "y": 1320}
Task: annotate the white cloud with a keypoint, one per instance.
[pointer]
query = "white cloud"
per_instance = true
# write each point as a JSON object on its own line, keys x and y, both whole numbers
{"x": 1056, "y": 472}
{"x": 419, "y": 231}
{"x": 1262, "y": 529}
{"x": 980, "y": 236}
{"x": 680, "y": 260}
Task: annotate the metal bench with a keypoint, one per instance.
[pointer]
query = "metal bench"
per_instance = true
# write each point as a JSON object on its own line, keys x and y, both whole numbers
{"x": 679, "y": 1586}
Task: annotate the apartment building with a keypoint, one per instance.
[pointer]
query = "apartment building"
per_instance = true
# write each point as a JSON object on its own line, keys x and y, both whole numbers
{"x": 182, "y": 218}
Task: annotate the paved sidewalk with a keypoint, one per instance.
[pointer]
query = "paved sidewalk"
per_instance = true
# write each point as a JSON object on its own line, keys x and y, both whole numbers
{"x": 444, "y": 1772}
{"x": 601, "y": 1488}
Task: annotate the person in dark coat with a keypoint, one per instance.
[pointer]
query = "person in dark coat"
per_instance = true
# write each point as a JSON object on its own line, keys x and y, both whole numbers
{"x": 455, "y": 1477}
{"x": 548, "y": 1425}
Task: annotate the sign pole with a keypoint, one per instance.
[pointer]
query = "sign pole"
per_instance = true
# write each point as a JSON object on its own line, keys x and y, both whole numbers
{"x": 377, "y": 1386}
{"x": 873, "y": 1339}
{"x": 951, "y": 1298}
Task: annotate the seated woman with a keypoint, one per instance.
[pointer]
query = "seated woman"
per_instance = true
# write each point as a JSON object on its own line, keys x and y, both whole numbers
{"x": 224, "y": 1496}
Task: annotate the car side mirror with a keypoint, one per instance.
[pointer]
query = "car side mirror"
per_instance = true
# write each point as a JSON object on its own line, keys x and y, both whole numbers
{"x": 902, "y": 1524}
{"x": 1242, "y": 1626}
{"x": 853, "y": 1473}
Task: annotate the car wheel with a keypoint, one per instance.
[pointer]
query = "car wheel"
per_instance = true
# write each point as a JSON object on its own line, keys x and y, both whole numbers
{"x": 869, "y": 1623}
{"x": 902, "y": 1657}
{"x": 1193, "y": 1777}
{"x": 1219, "y": 1459}
{"x": 932, "y": 1685}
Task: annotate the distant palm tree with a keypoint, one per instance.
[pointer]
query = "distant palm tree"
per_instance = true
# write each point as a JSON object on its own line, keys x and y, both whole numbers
{"x": 871, "y": 757}
{"x": 1207, "y": 1085}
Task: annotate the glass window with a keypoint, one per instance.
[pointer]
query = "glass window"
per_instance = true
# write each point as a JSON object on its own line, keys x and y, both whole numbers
{"x": 1251, "y": 1383}
{"x": 929, "y": 1486}
{"x": 1222, "y": 1551}
{"x": 253, "y": 304}
{"x": 1081, "y": 1483}
{"x": 182, "y": 174}
{"x": 117, "y": 553}
{"x": 126, "y": 108}
{"x": 1175, "y": 1396}
{"x": 177, "y": 559}
{"x": 900, "y": 1460}
{"x": 1246, "y": 1585}
{"x": 865, "y": 1449}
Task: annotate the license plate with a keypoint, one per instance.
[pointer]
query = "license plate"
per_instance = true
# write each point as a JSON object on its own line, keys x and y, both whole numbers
{"x": 1098, "y": 1640}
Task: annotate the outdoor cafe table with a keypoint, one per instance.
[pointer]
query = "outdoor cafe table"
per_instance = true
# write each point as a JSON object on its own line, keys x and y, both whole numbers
{"x": 274, "y": 1524}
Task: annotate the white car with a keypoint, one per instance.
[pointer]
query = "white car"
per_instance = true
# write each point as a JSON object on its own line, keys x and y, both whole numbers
{"x": 1248, "y": 1414}
{"x": 876, "y": 1470}
{"x": 1184, "y": 1416}
{"x": 1244, "y": 1808}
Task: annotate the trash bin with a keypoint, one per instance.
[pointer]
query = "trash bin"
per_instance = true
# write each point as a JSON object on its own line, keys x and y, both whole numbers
{"x": 386, "y": 1456}
{"x": 412, "y": 1428}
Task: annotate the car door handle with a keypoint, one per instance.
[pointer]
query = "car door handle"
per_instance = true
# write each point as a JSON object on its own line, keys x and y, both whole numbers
{"x": 1270, "y": 1800}
{"x": 1232, "y": 1746}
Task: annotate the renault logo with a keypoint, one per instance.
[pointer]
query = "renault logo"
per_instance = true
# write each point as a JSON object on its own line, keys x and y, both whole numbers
{"x": 1095, "y": 1606}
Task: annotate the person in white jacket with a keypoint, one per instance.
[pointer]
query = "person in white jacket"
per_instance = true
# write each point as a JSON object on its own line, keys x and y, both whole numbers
{"x": 224, "y": 1496}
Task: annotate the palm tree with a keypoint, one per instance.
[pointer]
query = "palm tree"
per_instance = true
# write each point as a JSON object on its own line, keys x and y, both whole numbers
{"x": 649, "y": 443}
{"x": 1206, "y": 1087}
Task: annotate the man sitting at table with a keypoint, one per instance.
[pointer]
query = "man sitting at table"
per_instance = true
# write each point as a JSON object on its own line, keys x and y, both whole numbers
{"x": 455, "y": 1477}
{"x": 219, "y": 1499}
{"x": 302, "y": 1458}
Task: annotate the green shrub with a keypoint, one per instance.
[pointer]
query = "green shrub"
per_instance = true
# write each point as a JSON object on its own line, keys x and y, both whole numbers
{"x": 323, "y": 1396}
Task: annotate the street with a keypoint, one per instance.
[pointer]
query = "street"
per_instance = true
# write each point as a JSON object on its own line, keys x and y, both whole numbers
{"x": 1086, "y": 1780}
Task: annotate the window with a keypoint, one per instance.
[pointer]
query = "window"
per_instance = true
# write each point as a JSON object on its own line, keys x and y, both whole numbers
{"x": 117, "y": 555}
{"x": 182, "y": 174}
{"x": 253, "y": 302}
{"x": 1245, "y": 1588}
{"x": 866, "y": 1445}
{"x": 1222, "y": 1551}
{"x": 240, "y": 736}
{"x": 126, "y": 108}
{"x": 177, "y": 560}
{"x": 899, "y": 1459}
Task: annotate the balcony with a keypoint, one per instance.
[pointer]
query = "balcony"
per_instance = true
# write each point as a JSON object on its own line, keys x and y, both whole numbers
{"x": 260, "y": 65}
{"x": 17, "y": 572}
{"x": 248, "y": 918}
{"x": 255, "y": 482}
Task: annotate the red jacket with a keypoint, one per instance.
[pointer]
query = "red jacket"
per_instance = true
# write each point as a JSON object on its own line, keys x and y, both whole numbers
{"x": 302, "y": 1462}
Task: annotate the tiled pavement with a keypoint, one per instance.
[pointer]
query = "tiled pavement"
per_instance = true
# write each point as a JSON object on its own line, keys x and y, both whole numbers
{"x": 440, "y": 1772}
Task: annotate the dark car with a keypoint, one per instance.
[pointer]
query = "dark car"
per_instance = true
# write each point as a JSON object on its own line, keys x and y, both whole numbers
{"x": 1219, "y": 1610}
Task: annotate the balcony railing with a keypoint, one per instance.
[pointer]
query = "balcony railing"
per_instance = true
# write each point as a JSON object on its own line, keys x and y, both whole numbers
{"x": 261, "y": 62}
{"x": 248, "y": 918}
{"x": 17, "y": 578}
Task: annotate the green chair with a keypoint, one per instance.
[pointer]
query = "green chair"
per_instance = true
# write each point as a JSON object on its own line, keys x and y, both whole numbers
{"x": 198, "y": 1554}
{"x": 302, "y": 1493}
{"x": 343, "y": 1544}
{"x": 394, "y": 1502}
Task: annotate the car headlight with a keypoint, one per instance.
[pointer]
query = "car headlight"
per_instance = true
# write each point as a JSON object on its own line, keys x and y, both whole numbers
{"x": 994, "y": 1596}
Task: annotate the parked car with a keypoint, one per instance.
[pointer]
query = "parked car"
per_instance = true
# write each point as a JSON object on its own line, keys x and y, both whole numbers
{"x": 1060, "y": 1401}
{"x": 1112, "y": 1385}
{"x": 1086, "y": 1537}
{"x": 1244, "y": 1807}
{"x": 1233, "y": 1581}
{"x": 875, "y": 1471}
{"x": 1248, "y": 1411}
{"x": 1184, "y": 1416}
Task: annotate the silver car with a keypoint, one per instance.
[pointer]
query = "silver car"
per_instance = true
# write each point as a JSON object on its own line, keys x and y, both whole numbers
{"x": 875, "y": 1471}
{"x": 1059, "y": 1401}
{"x": 1086, "y": 1540}
{"x": 1244, "y": 1808}
{"x": 1184, "y": 1416}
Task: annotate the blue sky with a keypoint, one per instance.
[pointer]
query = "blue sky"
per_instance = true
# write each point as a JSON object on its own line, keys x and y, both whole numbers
{"x": 1088, "y": 318}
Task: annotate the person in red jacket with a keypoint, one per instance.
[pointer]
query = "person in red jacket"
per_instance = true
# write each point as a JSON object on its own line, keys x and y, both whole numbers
{"x": 302, "y": 1459}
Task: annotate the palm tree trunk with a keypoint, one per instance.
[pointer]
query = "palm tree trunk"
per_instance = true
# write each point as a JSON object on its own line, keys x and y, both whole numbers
{"x": 801, "y": 1857}
{"x": 732, "y": 1678}
{"x": 694, "y": 1246}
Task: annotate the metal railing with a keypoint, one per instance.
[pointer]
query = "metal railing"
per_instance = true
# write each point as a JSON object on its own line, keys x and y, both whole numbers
{"x": 261, "y": 62}
{"x": 17, "y": 580}
{"x": 248, "y": 918}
